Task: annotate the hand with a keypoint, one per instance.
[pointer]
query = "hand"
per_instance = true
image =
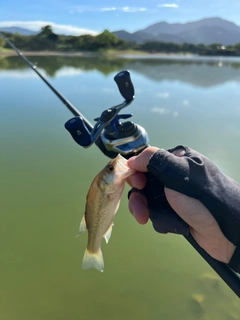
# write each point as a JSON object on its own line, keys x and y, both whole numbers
{"x": 203, "y": 226}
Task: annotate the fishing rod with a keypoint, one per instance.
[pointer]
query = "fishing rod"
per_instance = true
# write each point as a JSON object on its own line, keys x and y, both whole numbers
{"x": 109, "y": 134}
{"x": 81, "y": 129}
{"x": 34, "y": 68}
{"x": 114, "y": 137}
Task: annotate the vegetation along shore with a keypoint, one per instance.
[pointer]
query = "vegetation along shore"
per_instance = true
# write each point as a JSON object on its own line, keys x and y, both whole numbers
{"x": 49, "y": 43}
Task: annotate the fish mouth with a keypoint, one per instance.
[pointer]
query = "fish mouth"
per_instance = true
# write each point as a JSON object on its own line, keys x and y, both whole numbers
{"x": 122, "y": 167}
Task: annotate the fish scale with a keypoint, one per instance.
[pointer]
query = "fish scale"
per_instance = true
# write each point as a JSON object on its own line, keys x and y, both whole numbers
{"x": 103, "y": 200}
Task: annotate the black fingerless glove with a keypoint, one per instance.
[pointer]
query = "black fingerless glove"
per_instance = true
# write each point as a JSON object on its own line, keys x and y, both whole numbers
{"x": 195, "y": 176}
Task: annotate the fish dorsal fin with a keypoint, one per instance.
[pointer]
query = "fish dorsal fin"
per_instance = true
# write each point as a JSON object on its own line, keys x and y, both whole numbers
{"x": 107, "y": 235}
{"x": 82, "y": 226}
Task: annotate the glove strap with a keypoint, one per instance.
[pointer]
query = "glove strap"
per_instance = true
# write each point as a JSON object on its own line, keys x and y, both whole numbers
{"x": 234, "y": 263}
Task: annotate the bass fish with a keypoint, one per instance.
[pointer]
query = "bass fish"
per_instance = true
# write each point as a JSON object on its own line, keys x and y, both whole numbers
{"x": 102, "y": 203}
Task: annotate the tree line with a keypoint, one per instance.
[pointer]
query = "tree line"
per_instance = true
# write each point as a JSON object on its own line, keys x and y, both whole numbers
{"x": 48, "y": 40}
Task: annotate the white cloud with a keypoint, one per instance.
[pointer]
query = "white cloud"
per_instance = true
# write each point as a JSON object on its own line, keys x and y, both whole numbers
{"x": 163, "y": 95}
{"x": 164, "y": 111}
{"x": 168, "y": 5}
{"x": 23, "y": 74}
{"x": 160, "y": 110}
{"x": 57, "y": 28}
{"x": 132, "y": 9}
{"x": 29, "y": 74}
{"x": 68, "y": 72}
{"x": 81, "y": 9}
{"x": 185, "y": 103}
{"x": 108, "y": 9}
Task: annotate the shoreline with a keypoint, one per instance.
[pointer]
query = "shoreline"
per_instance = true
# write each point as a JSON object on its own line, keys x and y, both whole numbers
{"x": 47, "y": 53}
{"x": 121, "y": 54}
{"x": 89, "y": 53}
{"x": 115, "y": 54}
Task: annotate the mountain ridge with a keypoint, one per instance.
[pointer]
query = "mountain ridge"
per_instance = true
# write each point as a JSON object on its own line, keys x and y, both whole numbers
{"x": 22, "y": 31}
{"x": 205, "y": 31}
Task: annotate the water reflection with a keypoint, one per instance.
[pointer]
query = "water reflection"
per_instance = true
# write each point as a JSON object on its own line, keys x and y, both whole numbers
{"x": 191, "y": 71}
{"x": 45, "y": 177}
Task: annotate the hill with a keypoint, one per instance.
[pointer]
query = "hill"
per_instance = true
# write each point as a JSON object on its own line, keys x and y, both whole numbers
{"x": 206, "y": 31}
{"x": 22, "y": 31}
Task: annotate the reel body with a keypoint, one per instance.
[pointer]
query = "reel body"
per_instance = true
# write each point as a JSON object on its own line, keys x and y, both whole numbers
{"x": 110, "y": 134}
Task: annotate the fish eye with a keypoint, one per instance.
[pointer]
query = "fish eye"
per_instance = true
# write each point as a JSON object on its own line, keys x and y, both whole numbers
{"x": 110, "y": 168}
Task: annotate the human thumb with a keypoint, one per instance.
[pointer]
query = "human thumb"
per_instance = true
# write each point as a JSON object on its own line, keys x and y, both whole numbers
{"x": 140, "y": 162}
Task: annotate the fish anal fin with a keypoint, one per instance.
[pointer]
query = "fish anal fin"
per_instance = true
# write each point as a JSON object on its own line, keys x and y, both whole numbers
{"x": 82, "y": 226}
{"x": 107, "y": 235}
{"x": 93, "y": 260}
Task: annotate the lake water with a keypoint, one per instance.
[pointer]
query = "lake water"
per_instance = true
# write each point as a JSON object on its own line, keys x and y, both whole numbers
{"x": 45, "y": 177}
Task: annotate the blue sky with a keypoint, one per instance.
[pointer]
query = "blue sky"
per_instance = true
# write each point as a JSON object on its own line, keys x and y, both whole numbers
{"x": 93, "y": 16}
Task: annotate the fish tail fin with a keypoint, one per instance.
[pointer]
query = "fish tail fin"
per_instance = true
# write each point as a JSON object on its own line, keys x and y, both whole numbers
{"x": 93, "y": 260}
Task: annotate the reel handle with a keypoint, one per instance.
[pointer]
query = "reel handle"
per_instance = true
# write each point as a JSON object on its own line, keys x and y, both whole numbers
{"x": 78, "y": 130}
{"x": 125, "y": 85}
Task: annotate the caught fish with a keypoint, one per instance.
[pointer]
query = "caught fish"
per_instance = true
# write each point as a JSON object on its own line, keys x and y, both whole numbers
{"x": 102, "y": 203}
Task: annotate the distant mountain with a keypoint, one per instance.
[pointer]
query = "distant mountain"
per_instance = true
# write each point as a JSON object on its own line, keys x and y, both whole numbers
{"x": 22, "y": 31}
{"x": 205, "y": 31}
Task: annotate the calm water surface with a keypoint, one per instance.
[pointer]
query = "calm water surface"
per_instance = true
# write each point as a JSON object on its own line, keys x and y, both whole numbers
{"x": 45, "y": 176}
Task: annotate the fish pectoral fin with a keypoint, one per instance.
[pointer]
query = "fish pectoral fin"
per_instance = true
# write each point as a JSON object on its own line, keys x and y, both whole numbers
{"x": 82, "y": 226}
{"x": 93, "y": 260}
{"x": 107, "y": 235}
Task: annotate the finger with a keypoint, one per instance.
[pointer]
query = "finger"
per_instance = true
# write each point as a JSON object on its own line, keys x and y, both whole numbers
{"x": 137, "y": 180}
{"x": 179, "y": 152}
{"x": 138, "y": 207}
{"x": 140, "y": 162}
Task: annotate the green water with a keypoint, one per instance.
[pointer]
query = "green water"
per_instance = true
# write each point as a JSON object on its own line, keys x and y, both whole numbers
{"x": 45, "y": 176}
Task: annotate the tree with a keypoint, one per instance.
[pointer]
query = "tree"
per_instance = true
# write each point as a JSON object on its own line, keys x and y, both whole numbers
{"x": 46, "y": 31}
{"x": 214, "y": 46}
{"x": 85, "y": 42}
{"x": 106, "y": 40}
